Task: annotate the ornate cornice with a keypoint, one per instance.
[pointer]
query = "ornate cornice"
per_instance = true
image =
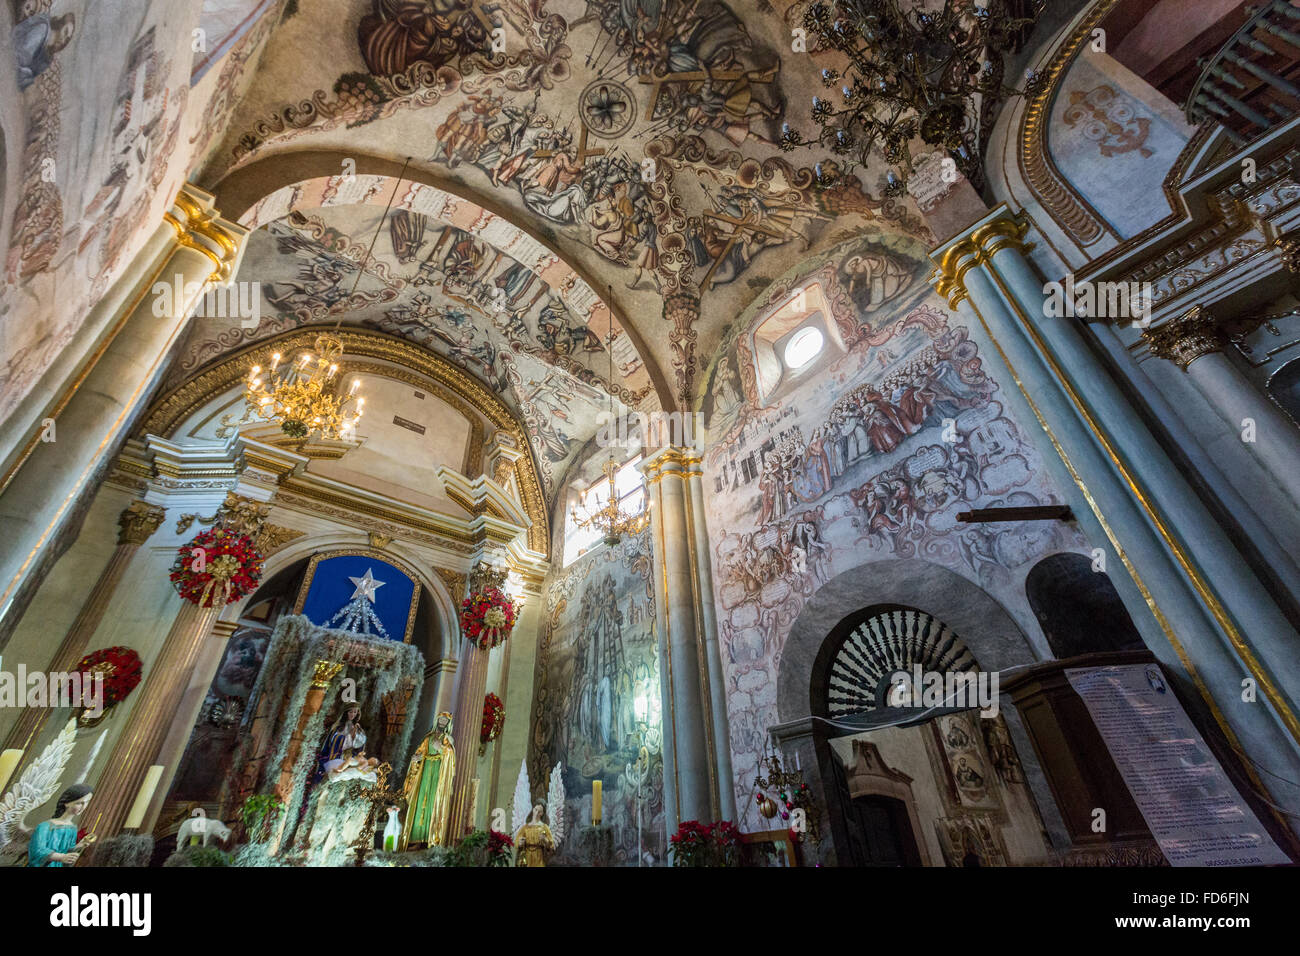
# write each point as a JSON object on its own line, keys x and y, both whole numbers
{"x": 1067, "y": 207}
{"x": 199, "y": 227}
{"x": 1185, "y": 339}
{"x": 138, "y": 522}
{"x": 167, "y": 414}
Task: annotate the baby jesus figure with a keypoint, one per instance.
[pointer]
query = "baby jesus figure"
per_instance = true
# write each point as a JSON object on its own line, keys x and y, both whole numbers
{"x": 354, "y": 760}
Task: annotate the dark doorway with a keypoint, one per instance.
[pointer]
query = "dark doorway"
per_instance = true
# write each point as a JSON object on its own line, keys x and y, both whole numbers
{"x": 880, "y": 832}
{"x": 870, "y": 830}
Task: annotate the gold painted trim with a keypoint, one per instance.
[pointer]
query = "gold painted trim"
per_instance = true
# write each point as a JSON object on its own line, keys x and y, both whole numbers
{"x": 1070, "y": 210}
{"x": 383, "y": 556}
{"x": 1186, "y": 660}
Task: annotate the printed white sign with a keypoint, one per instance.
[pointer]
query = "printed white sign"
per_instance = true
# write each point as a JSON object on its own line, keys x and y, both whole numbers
{"x": 1188, "y": 802}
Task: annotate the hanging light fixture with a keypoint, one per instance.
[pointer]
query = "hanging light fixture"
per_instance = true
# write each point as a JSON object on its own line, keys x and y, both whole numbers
{"x": 913, "y": 72}
{"x": 609, "y": 519}
{"x": 306, "y": 395}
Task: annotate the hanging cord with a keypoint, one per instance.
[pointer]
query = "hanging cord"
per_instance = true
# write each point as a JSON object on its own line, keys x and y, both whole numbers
{"x": 361, "y": 267}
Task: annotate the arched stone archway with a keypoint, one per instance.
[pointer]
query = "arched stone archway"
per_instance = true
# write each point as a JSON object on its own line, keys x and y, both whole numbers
{"x": 965, "y": 609}
{"x": 274, "y": 185}
{"x": 988, "y": 630}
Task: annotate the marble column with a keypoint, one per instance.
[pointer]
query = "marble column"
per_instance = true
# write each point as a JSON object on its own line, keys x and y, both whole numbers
{"x": 689, "y": 681}
{"x": 1200, "y": 608}
{"x": 471, "y": 686}
{"x": 158, "y": 698}
{"x": 703, "y": 576}
{"x": 136, "y": 523}
{"x": 45, "y": 487}
{"x": 1196, "y": 345}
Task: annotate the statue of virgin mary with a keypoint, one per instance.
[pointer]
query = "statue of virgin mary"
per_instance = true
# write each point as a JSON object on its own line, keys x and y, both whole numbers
{"x": 428, "y": 788}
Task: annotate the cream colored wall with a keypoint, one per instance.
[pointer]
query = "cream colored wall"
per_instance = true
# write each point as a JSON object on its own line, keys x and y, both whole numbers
{"x": 138, "y": 616}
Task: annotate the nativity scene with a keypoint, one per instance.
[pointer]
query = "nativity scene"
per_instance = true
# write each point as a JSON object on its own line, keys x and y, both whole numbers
{"x": 649, "y": 433}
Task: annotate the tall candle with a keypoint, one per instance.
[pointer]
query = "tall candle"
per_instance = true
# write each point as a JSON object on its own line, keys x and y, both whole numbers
{"x": 8, "y": 761}
{"x": 473, "y": 800}
{"x": 595, "y": 802}
{"x": 136, "y": 817}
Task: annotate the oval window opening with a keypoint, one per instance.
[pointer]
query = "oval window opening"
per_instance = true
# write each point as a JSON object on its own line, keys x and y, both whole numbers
{"x": 803, "y": 348}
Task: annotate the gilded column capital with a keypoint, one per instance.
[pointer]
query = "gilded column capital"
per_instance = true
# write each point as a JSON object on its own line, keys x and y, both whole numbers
{"x": 138, "y": 522}
{"x": 1001, "y": 229}
{"x": 200, "y": 227}
{"x": 1185, "y": 339}
{"x": 671, "y": 459}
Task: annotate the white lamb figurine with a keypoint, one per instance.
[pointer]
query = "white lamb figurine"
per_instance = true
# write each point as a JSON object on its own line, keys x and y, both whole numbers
{"x": 204, "y": 827}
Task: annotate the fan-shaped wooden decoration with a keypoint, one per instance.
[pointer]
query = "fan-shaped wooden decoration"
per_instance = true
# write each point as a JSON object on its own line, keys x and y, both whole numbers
{"x": 890, "y": 641}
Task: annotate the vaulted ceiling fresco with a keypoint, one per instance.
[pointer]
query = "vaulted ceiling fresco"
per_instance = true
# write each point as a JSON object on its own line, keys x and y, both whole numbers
{"x": 583, "y": 175}
{"x": 637, "y": 137}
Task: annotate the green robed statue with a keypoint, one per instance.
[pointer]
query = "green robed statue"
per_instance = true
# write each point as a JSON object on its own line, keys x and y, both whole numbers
{"x": 428, "y": 788}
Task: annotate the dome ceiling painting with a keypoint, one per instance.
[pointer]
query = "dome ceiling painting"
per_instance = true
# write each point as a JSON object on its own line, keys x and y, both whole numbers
{"x": 631, "y": 143}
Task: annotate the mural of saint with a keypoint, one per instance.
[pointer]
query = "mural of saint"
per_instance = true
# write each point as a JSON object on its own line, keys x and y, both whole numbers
{"x": 36, "y": 40}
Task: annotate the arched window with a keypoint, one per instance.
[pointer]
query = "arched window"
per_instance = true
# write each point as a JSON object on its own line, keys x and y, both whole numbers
{"x": 1078, "y": 608}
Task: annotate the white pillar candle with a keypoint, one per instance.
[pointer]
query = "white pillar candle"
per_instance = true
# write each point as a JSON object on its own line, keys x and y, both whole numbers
{"x": 136, "y": 817}
{"x": 8, "y": 761}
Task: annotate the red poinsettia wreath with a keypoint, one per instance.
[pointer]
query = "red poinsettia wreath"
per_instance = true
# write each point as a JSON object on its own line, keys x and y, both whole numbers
{"x": 494, "y": 718}
{"x": 487, "y": 617}
{"x": 121, "y": 668}
{"x": 217, "y": 567}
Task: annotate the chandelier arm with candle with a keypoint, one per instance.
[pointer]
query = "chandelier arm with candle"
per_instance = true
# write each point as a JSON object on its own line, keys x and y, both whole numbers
{"x": 304, "y": 396}
{"x": 913, "y": 73}
{"x": 609, "y": 519}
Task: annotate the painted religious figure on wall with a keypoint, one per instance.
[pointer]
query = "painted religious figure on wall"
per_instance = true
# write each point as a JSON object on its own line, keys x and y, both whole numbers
{"x": 428, "y": 788}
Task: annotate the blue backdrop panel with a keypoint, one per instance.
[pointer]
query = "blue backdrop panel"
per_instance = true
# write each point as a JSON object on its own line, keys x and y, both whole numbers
{"x": 331, "y": 588}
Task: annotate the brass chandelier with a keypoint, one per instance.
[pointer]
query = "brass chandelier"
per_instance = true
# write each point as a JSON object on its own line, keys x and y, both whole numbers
{"x": 303, "y": 395}
{"x": 913, "y": 71}
{"x": 609, "y": 518}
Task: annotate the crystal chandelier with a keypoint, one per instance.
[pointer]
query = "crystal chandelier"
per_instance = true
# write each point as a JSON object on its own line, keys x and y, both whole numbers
{"x": 911, "y": 72}
{"x": 304, "y": 395}
{"x": 609, "y": 519}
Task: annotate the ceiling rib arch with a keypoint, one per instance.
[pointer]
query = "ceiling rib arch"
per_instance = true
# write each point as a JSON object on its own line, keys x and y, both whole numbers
{"x": 299, "y": 179}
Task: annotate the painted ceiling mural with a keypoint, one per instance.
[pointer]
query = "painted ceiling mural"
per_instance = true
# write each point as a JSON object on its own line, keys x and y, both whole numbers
{"x": 96, "y": 158}
{"x": 870, "y": 458}
{"x": 635, "y": 136}
{"x": 531, "y": 329}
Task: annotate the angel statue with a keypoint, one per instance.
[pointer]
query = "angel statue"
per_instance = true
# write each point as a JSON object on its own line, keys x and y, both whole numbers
{"x": 38, "y": 784}
{"x": 535, "y": 841}
{"x": 54, "y": 842}
{"x": 428, "y": 788}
